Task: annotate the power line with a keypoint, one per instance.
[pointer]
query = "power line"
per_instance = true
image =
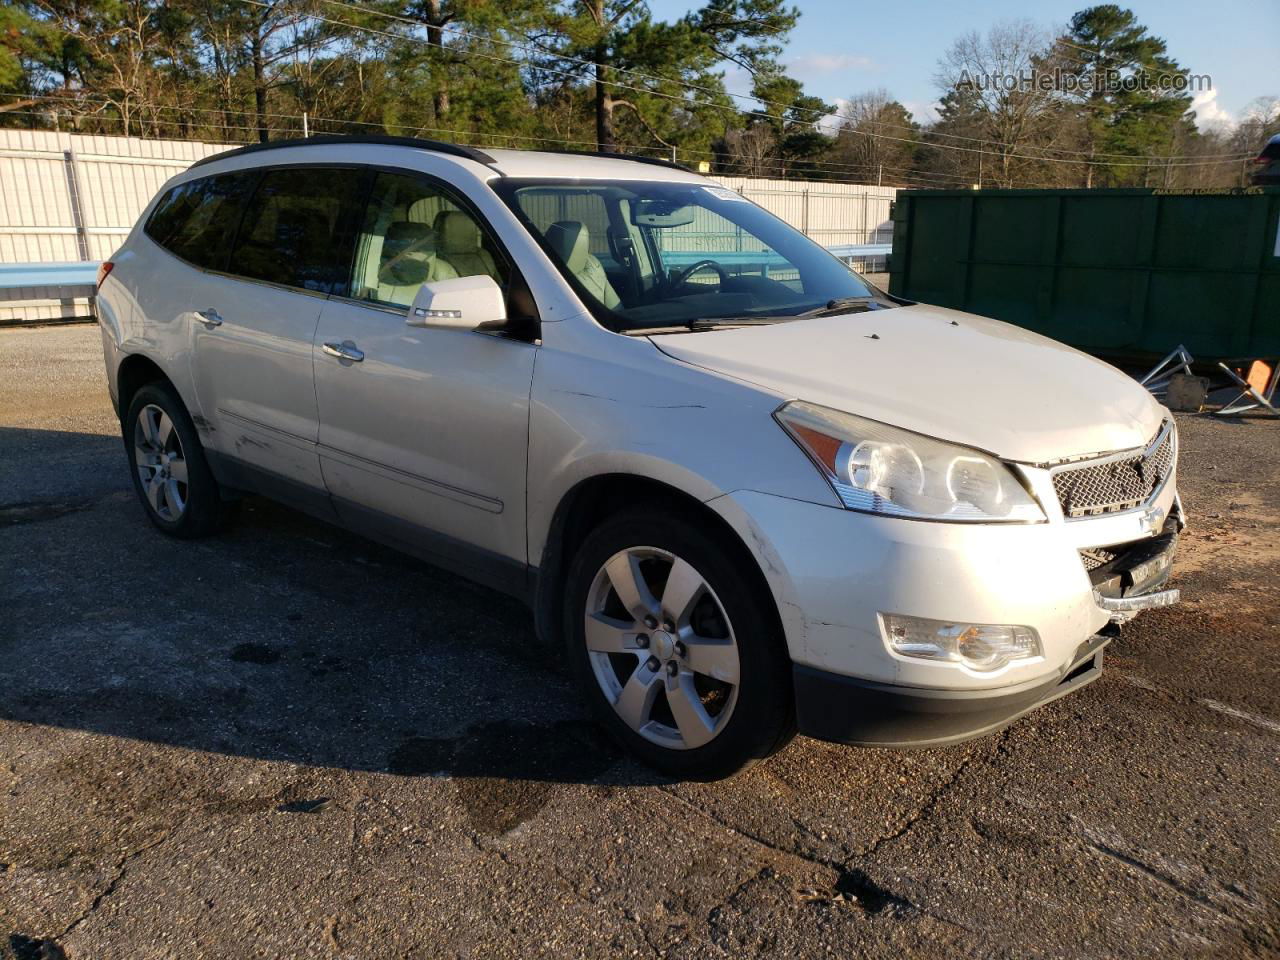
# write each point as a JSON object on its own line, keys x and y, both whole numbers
{"x": 251, "y": 129}
{"x": 868, "y": 169}
{"x": 515, "y": 45}
{"x": 717, "y": 106}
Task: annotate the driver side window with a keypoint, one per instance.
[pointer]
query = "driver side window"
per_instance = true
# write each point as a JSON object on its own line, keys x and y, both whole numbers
{"x": 415, "y": 233}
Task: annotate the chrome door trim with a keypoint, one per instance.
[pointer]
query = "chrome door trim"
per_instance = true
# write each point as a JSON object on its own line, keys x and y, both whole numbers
{"x": 293, "y": 439}
{"x": 426, "y": 484}
{"x": 418, "y": 482}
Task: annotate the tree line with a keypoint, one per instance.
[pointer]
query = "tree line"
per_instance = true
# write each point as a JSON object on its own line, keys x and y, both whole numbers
{"x": 1115, "y": 109}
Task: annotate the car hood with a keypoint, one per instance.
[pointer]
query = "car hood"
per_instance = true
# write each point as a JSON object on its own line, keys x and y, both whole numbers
{"x": 947, "y": 374}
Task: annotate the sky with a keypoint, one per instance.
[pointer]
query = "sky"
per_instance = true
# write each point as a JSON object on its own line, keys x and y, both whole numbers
{"x": 840, "y": 48}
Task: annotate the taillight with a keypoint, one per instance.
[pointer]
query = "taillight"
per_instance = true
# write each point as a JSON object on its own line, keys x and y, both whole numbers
{"x": 103, "y": 269}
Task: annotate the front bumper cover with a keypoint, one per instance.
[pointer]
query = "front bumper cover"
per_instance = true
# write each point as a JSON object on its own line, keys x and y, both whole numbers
{"x": 848, "y": 710}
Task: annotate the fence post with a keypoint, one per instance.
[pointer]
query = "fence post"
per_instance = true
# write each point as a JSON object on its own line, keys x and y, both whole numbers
{"x": 75, "y": 196}
{"x": 804, "y": 211}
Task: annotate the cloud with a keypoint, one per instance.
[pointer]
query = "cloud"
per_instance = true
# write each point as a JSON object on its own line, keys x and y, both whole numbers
{"x": 822, "y": 64}
{"x": 922, "y": 111}
{"x": 1210, "y": 113}
{"x": 830, "y": 124}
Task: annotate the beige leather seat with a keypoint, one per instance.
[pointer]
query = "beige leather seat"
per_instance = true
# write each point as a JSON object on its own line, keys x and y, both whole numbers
{"x": 571, "y": 241}
{"x": 460, "y": 245}
{"x": 409, "y": 259}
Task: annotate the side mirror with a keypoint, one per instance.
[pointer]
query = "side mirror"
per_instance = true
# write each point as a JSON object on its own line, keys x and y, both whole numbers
{"x": 463, "y": 303}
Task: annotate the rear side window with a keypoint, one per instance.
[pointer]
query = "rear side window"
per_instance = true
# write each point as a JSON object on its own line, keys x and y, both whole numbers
{"x": 197, "y": 220}
{"x": 300, "y": 228}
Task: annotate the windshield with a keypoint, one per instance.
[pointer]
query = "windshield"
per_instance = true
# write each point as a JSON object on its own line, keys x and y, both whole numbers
{"x": 646, "y": 255}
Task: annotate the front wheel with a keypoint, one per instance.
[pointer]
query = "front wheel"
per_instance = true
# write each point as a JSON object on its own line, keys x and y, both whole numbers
{"x": 678, "y": 654}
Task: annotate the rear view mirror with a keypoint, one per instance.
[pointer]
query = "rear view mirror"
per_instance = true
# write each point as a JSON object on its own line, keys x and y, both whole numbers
{"x": 463, "y": 303}
{"x": 661, "y": 213}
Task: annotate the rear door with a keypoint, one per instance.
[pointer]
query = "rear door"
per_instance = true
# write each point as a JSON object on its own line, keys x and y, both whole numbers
{"x": 190, "y": 232}
{"x": 252, "y": 353}
{"x": 423, "y": 433}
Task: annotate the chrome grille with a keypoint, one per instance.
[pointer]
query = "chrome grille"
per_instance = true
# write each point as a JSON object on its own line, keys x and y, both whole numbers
{"x": 1115, "y": 483}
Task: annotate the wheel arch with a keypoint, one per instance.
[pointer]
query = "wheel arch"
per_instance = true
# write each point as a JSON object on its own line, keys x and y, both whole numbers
{"x": 595, "y": 498}
{"x": 136, "y": 370}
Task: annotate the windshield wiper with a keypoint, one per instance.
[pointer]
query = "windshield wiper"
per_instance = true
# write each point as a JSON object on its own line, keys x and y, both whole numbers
{"x": 844, "y": 303}
{"x": 716, "y": 323}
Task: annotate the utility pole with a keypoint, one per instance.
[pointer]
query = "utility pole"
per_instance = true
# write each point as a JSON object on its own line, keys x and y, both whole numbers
{"x": 306, "y": 132}
{"x": 879, "y": 174}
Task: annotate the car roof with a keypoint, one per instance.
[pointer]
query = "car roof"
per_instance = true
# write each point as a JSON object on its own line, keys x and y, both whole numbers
{"x": 534, "y": 164}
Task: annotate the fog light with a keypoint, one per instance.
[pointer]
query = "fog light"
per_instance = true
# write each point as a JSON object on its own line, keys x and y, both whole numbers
{"x": 978, "y": 646}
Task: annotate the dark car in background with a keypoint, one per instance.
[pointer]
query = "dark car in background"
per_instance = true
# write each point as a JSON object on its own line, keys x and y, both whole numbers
{"x": 1267, "y": 164}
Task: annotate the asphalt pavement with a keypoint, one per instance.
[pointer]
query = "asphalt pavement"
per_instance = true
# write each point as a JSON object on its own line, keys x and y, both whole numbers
{"x": 290, "y": 742}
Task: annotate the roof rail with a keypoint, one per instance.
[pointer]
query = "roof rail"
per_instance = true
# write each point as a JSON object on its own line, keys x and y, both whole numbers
{"x": 657, "y": 161}
{"x": 453, "y": 149}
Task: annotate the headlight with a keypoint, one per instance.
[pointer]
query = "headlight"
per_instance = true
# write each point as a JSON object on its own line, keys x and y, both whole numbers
{"x": 876, "y": 468}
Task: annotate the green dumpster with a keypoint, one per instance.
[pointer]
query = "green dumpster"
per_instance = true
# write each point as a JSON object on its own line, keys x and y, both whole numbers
{"x": 1127, "y": 274}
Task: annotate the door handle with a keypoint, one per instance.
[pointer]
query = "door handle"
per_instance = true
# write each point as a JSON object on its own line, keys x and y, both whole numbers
{"x": 210, "y": 318}
{"x": 343, "y": 351}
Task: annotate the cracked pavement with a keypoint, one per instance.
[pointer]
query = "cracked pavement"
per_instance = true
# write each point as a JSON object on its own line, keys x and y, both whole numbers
{"x": 290, "y": 742}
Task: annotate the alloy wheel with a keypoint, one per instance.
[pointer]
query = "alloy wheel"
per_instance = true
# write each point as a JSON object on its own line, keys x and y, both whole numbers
{"x": 662, "y": 648}
{"x": 161, "y": 466}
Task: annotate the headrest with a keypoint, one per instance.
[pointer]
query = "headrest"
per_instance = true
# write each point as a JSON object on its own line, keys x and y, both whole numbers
{"x": 458, "y": 232}
{"x": 424, "y": 210}
{"x": 571, "y": 242}
{"x": 406, "y": 236}
{"x": 408, "y": 250}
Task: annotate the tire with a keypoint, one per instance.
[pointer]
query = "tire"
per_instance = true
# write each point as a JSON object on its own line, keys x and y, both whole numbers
{"x": 179, "y": 493}
{"x": 697, "y": 724}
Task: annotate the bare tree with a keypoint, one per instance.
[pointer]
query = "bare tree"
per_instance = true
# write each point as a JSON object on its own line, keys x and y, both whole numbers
{"x": 988, "y": 70}
{"x": 872, "y": 135}
{"x": 749, "y": 152}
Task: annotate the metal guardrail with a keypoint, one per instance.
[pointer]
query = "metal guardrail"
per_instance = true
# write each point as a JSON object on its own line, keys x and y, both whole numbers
{"x": 82, "y": 273}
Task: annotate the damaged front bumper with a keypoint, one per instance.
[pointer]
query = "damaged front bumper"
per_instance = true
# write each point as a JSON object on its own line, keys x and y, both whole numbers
{"x": 1133, "y": 580}
{"x": 835, "y": 572}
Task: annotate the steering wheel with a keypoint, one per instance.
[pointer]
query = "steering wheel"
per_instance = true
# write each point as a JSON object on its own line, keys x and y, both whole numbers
{"x": 690, "y": 270}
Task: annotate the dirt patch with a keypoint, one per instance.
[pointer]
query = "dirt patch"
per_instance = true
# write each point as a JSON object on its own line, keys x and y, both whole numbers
{"x": 12, "y": 514}
{"x": 1234, "y": 551}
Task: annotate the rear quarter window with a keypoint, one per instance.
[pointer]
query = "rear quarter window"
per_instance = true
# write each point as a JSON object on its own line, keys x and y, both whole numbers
{"x": 197, "y": 220}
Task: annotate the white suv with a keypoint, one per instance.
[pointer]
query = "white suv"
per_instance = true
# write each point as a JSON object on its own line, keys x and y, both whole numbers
{"x": 749, "y": 491}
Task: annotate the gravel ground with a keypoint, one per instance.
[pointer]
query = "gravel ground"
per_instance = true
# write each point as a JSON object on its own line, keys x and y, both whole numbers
{"x": 290, "y": 742}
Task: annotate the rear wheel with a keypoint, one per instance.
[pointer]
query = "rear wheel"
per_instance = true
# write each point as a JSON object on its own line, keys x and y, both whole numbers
{"x": 170, "y": 473}
{"x": 677, "y": 653}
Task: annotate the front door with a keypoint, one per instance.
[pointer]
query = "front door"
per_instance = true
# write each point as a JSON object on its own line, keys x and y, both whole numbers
{"x": 423, "y": 433}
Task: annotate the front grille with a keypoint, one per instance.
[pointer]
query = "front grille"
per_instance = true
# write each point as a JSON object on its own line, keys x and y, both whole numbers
{"x": 1115, "y": 483}
{"x": 1095, "y": 558}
